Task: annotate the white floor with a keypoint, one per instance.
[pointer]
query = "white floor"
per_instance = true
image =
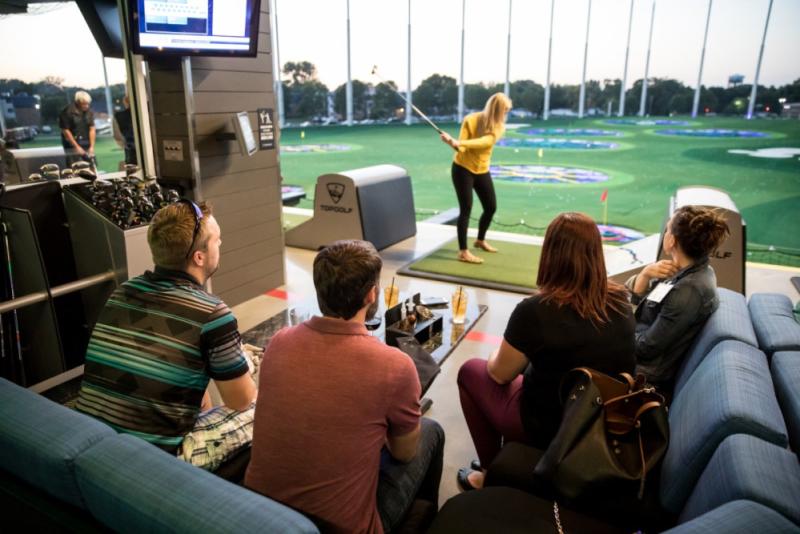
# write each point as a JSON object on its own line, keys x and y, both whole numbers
{"x": 486, "y": 334}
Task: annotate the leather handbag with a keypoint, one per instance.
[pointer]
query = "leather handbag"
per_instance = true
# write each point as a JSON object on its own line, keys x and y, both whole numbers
{"x": 612, "y": 433}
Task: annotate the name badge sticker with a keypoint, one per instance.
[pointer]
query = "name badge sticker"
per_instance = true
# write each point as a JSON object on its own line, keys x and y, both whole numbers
{"x": 659, "y": 292}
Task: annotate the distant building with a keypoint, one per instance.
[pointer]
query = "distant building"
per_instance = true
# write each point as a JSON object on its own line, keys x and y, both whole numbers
{"x": 7, "y": 109}
{"x": 791, "y": 110}
{"x": 27, "y": 109}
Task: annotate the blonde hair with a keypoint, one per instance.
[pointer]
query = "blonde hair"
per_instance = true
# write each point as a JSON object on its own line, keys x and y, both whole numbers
{"x": 170, "y": 234}
{"x": 492, "y": 119}
{"x": 83, "y": 96}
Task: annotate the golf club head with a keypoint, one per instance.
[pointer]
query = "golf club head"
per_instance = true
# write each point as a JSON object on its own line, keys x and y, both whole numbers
{"x": 131, "y": 169}
{"x": 67, "y": 173}
{"x": 34, "y": 177}
{"x": 78, "y": 165}
{"x": 48, "y": 167}
{"x": 51, "y": 175}
{"x": 85, "y": 173}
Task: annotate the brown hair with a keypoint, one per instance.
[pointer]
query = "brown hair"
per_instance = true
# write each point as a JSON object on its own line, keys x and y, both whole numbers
{"x": 698, "y": 230}
{"x": 170, "y": 234}
{"x": 572, "y": 270}
{"x": 344, "y": 272}
{"x": 492, "y": 120}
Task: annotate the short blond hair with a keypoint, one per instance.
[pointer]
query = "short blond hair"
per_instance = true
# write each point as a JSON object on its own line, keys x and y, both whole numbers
{"x": 83, "y": 96}
{"x": 170, "y": 234}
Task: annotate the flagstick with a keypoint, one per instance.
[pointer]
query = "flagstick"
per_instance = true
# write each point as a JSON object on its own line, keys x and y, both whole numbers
{"x": 605, "y": 212}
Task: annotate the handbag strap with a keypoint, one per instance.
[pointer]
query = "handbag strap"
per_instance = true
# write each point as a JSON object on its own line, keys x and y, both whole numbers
{"x": 620, "y": 423}
{"x": 630, "y": 380}
{"x": 646, "y": 407}
{"x": 608, "y": 386}
{"x": 557, "y": 517}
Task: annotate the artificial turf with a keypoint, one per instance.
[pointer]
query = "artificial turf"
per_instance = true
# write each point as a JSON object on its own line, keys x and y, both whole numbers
{"x": 108, "y": 154}
{"x": 514, "y": 264}
{"x": 644, "y": 172}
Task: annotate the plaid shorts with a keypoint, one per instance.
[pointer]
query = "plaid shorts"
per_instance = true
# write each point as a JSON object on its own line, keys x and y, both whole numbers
{"x": 216, "y": 436}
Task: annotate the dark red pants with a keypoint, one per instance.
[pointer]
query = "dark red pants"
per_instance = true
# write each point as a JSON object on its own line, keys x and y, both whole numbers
{"x": 491, "y": 410}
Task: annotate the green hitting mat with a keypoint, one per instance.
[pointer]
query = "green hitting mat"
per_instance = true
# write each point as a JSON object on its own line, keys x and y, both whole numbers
{"x": 513, "y": 268}
{"x": 290, "y": 220}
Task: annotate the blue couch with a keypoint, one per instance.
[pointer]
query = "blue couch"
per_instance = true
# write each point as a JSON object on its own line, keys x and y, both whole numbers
{"x": 736, "y": 411}
{"x": 59, "y": 463}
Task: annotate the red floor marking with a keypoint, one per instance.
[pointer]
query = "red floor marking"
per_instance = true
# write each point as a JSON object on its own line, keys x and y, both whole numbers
{"x": 278, "y": 294}
{"x": 481, "y": 337}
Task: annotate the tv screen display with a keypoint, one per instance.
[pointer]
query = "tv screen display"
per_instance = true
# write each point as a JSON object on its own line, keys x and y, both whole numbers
{"x": 195, "y": 27}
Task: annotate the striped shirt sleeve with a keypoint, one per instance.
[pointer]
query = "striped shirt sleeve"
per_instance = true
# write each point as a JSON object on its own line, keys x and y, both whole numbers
{"x": 222, "y": 346}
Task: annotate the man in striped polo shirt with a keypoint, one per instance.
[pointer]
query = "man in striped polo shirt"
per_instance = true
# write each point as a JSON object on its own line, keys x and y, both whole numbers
{"x": 158, "y": 341}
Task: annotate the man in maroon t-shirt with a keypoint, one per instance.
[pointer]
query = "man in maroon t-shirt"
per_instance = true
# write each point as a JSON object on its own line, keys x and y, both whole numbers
{"x": 338, "y": 432}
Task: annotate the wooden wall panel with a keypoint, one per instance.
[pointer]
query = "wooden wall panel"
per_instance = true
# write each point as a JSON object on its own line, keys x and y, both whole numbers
{"x": 244, "y": 190}
{"x": 249, "y": 272}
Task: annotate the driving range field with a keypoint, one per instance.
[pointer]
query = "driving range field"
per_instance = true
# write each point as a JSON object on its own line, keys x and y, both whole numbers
{"x": 543, "y": 168}
{"x": 546, "y": 167}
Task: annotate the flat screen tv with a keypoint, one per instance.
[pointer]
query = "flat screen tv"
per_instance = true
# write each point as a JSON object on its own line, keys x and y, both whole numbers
{"x": 195, "y": 27}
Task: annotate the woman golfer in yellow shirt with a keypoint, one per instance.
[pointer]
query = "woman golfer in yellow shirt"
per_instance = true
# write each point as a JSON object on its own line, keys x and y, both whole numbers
{"x": 479, "y": 132}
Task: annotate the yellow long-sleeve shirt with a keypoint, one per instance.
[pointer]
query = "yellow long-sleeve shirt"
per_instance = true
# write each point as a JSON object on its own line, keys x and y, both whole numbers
{"x": 474, "y": 153}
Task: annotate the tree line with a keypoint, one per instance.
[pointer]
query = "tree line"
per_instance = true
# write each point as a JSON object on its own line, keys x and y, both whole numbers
{"x": 305, "y": 96}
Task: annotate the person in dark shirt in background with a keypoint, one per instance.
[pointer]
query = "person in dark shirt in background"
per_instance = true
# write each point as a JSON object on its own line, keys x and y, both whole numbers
{"x": 577, "y": 318}
{"x": 77, "y": 129}
{"x": 123, "y": 131}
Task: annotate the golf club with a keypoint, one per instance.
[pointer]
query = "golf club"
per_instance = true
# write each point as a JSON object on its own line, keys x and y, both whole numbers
{"x": 415, "y": 108}
{"x": 78, "y": 165}
{"x": 49, "y": 168}
{"x": 12, "y": 296}
{"x": 2, "y": 332}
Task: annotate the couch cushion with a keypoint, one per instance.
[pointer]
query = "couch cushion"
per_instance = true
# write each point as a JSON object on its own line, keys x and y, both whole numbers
{"x": 730, "y": 321}
{"x": 737, "y": 516}
{"x": 746, "y": 467}
{"x": 773, "y": 322}
{"x": 786, "y": 376}
{"x": 40, "y": 440}
{"x": 132, "y": 486}
{"x": 730, "y": 393}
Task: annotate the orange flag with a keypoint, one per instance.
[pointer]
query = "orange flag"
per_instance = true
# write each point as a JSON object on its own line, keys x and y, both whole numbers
{"x": 604, "y": 196}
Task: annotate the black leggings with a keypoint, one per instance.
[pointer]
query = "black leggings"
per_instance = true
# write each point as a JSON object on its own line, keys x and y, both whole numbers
{"x": 465, "y": 181}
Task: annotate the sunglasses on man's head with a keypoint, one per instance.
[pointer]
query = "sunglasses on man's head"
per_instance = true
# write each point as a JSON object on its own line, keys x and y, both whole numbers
{"x": 198, "y": 216}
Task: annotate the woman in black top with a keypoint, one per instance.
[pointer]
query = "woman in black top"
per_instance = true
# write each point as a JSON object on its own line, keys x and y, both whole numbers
{"x": 576, "y": 318}
{"x": 675, "y": 296}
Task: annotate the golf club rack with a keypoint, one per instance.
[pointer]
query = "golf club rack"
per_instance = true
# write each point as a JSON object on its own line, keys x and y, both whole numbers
{"x": 66, "y": 242}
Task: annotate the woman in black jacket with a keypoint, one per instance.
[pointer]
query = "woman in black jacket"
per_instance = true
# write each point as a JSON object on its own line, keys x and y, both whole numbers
{"x": 675, "y": 296}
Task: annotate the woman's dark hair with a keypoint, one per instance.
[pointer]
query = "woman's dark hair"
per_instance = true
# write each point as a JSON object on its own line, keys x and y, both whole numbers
{"x": 572, "y": 270}
{"x": 698, "y": 231}
{"x": 344, "y": 272}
